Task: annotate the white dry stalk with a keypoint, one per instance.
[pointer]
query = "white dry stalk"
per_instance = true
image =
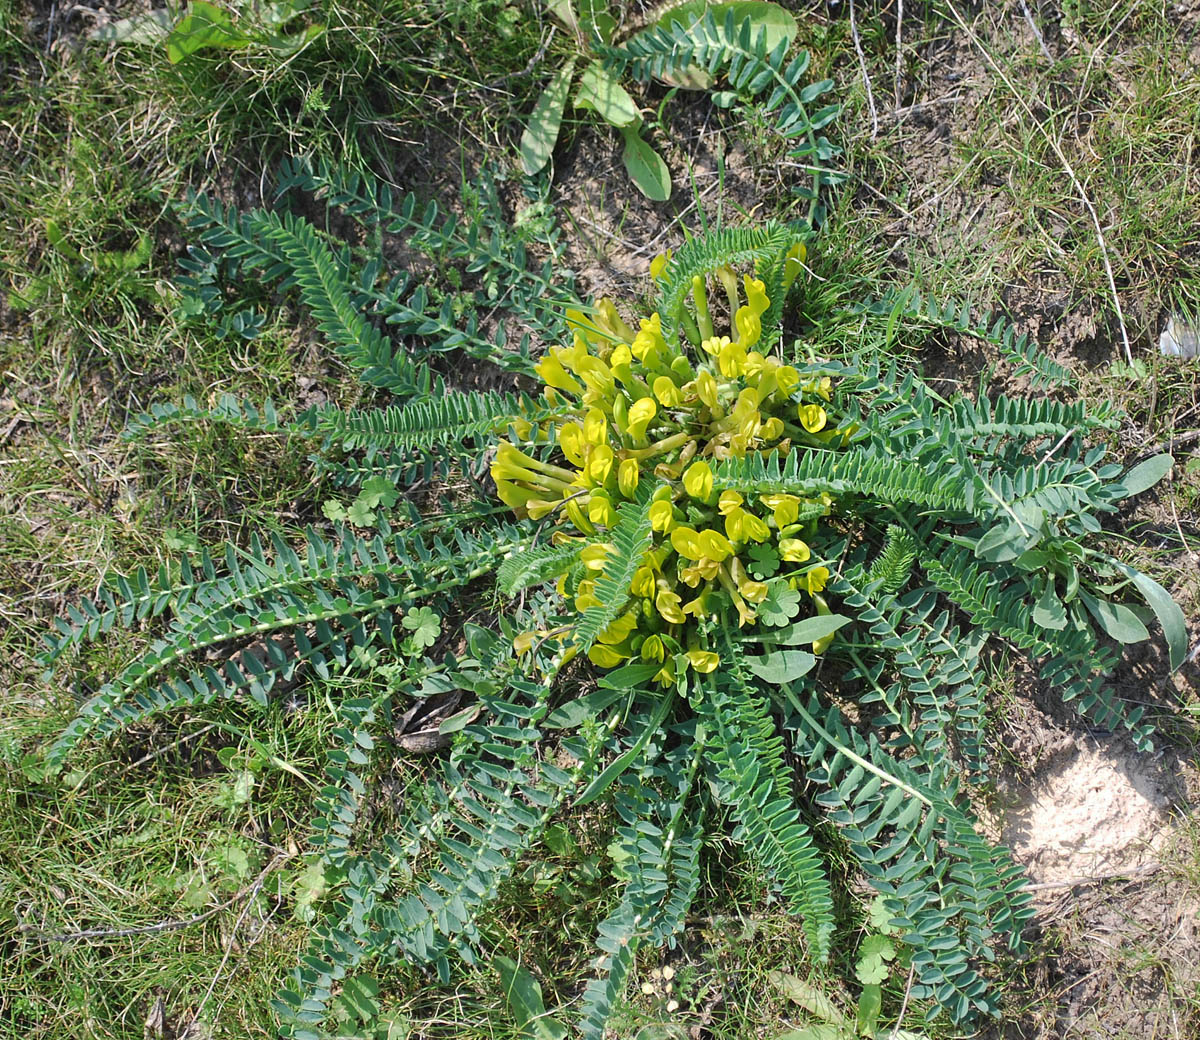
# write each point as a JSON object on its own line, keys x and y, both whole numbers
{"x": 862, "y": 61}
{"x": 1066, "y": 165}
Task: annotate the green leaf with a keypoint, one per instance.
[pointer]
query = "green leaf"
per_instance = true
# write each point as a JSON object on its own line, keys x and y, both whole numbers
{"x": 358, "y": 997}
{"x": 814, "y": 1000}
{"x": 1165, "y": 609}
{"x": 525, "y": 1001}
{"x": 810, "y": 629}
{"x": 424, "y": 625}
{"x": 1146, "y": 474}
{"x": 537, "y": 143}
{"x": 205, "y": 25}
{"x": 1049, "y": 611}
{"x": 571, "y": 714}
{"x": 1002, "y": 542}
{"x": 781, "y": 666}
{"x": 645, "y": 167}
{"x": 764, "y": 561}
{"x": 379, "y": 491}
{"x": 148, "y": 28}
{"x": 1116, "y": 619}
{"x": 873, "y": 955}
{"x": 782, "y": 603}
{"x": 360, "y": 514}
{"x": 600, "y": 92}
{"x": 617, "y": 767}
{"x": 870, "y": 1003}
{"x": 822, "y": 1031}
{"x": 778, "y": 23}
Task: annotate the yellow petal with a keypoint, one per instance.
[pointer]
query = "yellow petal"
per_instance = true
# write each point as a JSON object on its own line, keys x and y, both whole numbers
{"x": 698, "y": 480}
{"x": 793, "y": 550}
{"x": 786, "y": 381}
{"x": 812, "y": 417}
{"x": 662, "y": 517}
{"x": 642, "y": 583}
{"x": 599, "y": 464}
{"x": 659, "y": 264}
{"x": 595, "y": 427}
{"x": 653, "y": 651}
{"x": 686, "y": 543}
{"x": 668, "y": 606}
{"x": 550, "y": 370}
{"x": 704, "y": 661}
{"x": 666, "y": 391}
{"x": 594, "y": 556}
{"x": 605, "y": 656}
{"x": 640, "y": 414}
{"x": 627, "y": 477}
{"x": 714, "y": 545}
{"x": 706, "y": 388}
{"x": 728, "y": 501}
{"x": 570, "y": 439}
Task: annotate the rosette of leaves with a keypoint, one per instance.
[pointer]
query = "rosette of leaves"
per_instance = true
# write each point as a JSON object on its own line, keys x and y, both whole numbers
{"x": 593, "y": 85}
{"x": 938, "y": 528}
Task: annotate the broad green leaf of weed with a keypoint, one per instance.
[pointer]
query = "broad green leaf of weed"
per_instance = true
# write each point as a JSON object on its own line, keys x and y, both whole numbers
{"x": 600, "y": 92}
{"x": 537, "y": 143}
{"x": 645, "y": 166}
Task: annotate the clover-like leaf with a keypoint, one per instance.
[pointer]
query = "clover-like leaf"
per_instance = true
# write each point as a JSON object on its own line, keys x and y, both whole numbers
{"x": 424, "y": 625}
{"x": 764, "y": 560}
{"x": 873, "y": 955}
{"x": 781, "y": 605}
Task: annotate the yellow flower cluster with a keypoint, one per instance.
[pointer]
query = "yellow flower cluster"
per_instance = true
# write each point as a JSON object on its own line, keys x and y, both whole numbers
{"x": 633, "y": 408}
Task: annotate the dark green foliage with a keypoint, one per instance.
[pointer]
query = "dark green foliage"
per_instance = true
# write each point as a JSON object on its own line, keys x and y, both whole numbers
{"x": 733, "y": 49}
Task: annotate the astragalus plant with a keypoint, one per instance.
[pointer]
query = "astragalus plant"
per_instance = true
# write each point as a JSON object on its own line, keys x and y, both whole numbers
{"x": 716, "y": 545}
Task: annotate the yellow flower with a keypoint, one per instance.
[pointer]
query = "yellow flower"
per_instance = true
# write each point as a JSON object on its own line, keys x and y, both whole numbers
{"x": 662, "y": 517}
{"x": 743, "y": 526}
{"x": 627, "y": 477}
{"x": 786, "y": 381}
{"x": 570, "y": 439}
{"x": 610, "y": 321}
{"x": 599, "y": 464}
{"x": 698, "y": 480}
{"x": 640, "y": 414}
{"x": 594, "y": 556}
{"x": 748, "y": 319}
{"x": 812, "y": 417}
{"x": 550, "y": 370}
{"x": 793, "y": 264}
{"x": 686, "y": 543}
{"x": 524, "y": 642}
{"x": 814, "y": 581}
{"x": 821, "y": 645}
{"x": 706, "y": 389}
{"x": 714, "y": 545}
{"x": 605, "y": 656}
{"x": 822, "y": 387}
{"x": 772, "y": 429}
{"x": 620, "y": 629}
{"x": 729, "y": 501}
{"x": 600, "y": 510}
{"x": 649, "y": 341}
{"x": 786, "y": 508}
{"x": 793, "y": 550}
{"x": 732, "y": 360}
{"x": 653, "y": 651}
{"x": 667, "y": 392}
{"x": 704, "y": 661}
{"x": 668, "y": 606}
{"x": 642, "y": 583}
{"x": 659, "y": 264}
{"x": 595, "y": 427}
